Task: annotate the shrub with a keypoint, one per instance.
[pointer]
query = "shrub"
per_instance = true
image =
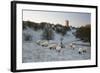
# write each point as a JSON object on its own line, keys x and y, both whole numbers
{"x": 30, "y": 24}
{"x": 61, "y": 29}
{"x": 24, "y": 25}
{"x": 84, "y": 33}
{"x": 42, "y": 25}
{"x": 47, "y": 34}
{"x": 27, "y": 37}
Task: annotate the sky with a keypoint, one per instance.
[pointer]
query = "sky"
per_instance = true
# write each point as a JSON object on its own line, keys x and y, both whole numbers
{"x": 75, "y": 19}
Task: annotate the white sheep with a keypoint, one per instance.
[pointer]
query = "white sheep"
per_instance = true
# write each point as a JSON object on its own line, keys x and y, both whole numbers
{"x": 82, "y": 50}
{"x": 44, "y": 43}
{"x": 52, "y": 46}
{"x": 58, "y": 48}
{"x": 72, "y": 46}
{"x": 38, "y": 42}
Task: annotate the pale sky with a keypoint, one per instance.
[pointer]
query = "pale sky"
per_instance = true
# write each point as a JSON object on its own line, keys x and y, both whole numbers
{"x": 75, "y": 19}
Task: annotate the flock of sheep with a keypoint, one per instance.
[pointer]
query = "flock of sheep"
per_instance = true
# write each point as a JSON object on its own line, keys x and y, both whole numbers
{"x": 52, "y": 45}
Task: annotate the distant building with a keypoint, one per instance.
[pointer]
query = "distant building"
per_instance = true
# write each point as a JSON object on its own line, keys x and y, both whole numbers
{"x": 67, "y": 23}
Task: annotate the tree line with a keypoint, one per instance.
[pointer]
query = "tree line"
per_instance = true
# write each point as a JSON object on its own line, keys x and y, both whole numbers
{"x": 48, "y": 28}
{"x": 84, "y": 33}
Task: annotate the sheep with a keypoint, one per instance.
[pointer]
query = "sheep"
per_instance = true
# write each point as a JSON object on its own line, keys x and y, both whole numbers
{"x": 52, "y": 46}
{"x": 72, "y": 46}
{"x": 45, "y": 43}
{"x": 42, "y": 42}
{"x": 38, "y": 42}
{"x": 58, "y": 48}
{"x": 82, "y": 50}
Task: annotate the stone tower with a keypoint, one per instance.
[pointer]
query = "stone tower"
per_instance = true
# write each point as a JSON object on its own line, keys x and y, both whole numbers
{"x": 67, "y": 23}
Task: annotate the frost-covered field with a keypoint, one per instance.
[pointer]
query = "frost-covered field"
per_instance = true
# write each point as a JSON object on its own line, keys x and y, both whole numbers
{"x": 32, "y": 52}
